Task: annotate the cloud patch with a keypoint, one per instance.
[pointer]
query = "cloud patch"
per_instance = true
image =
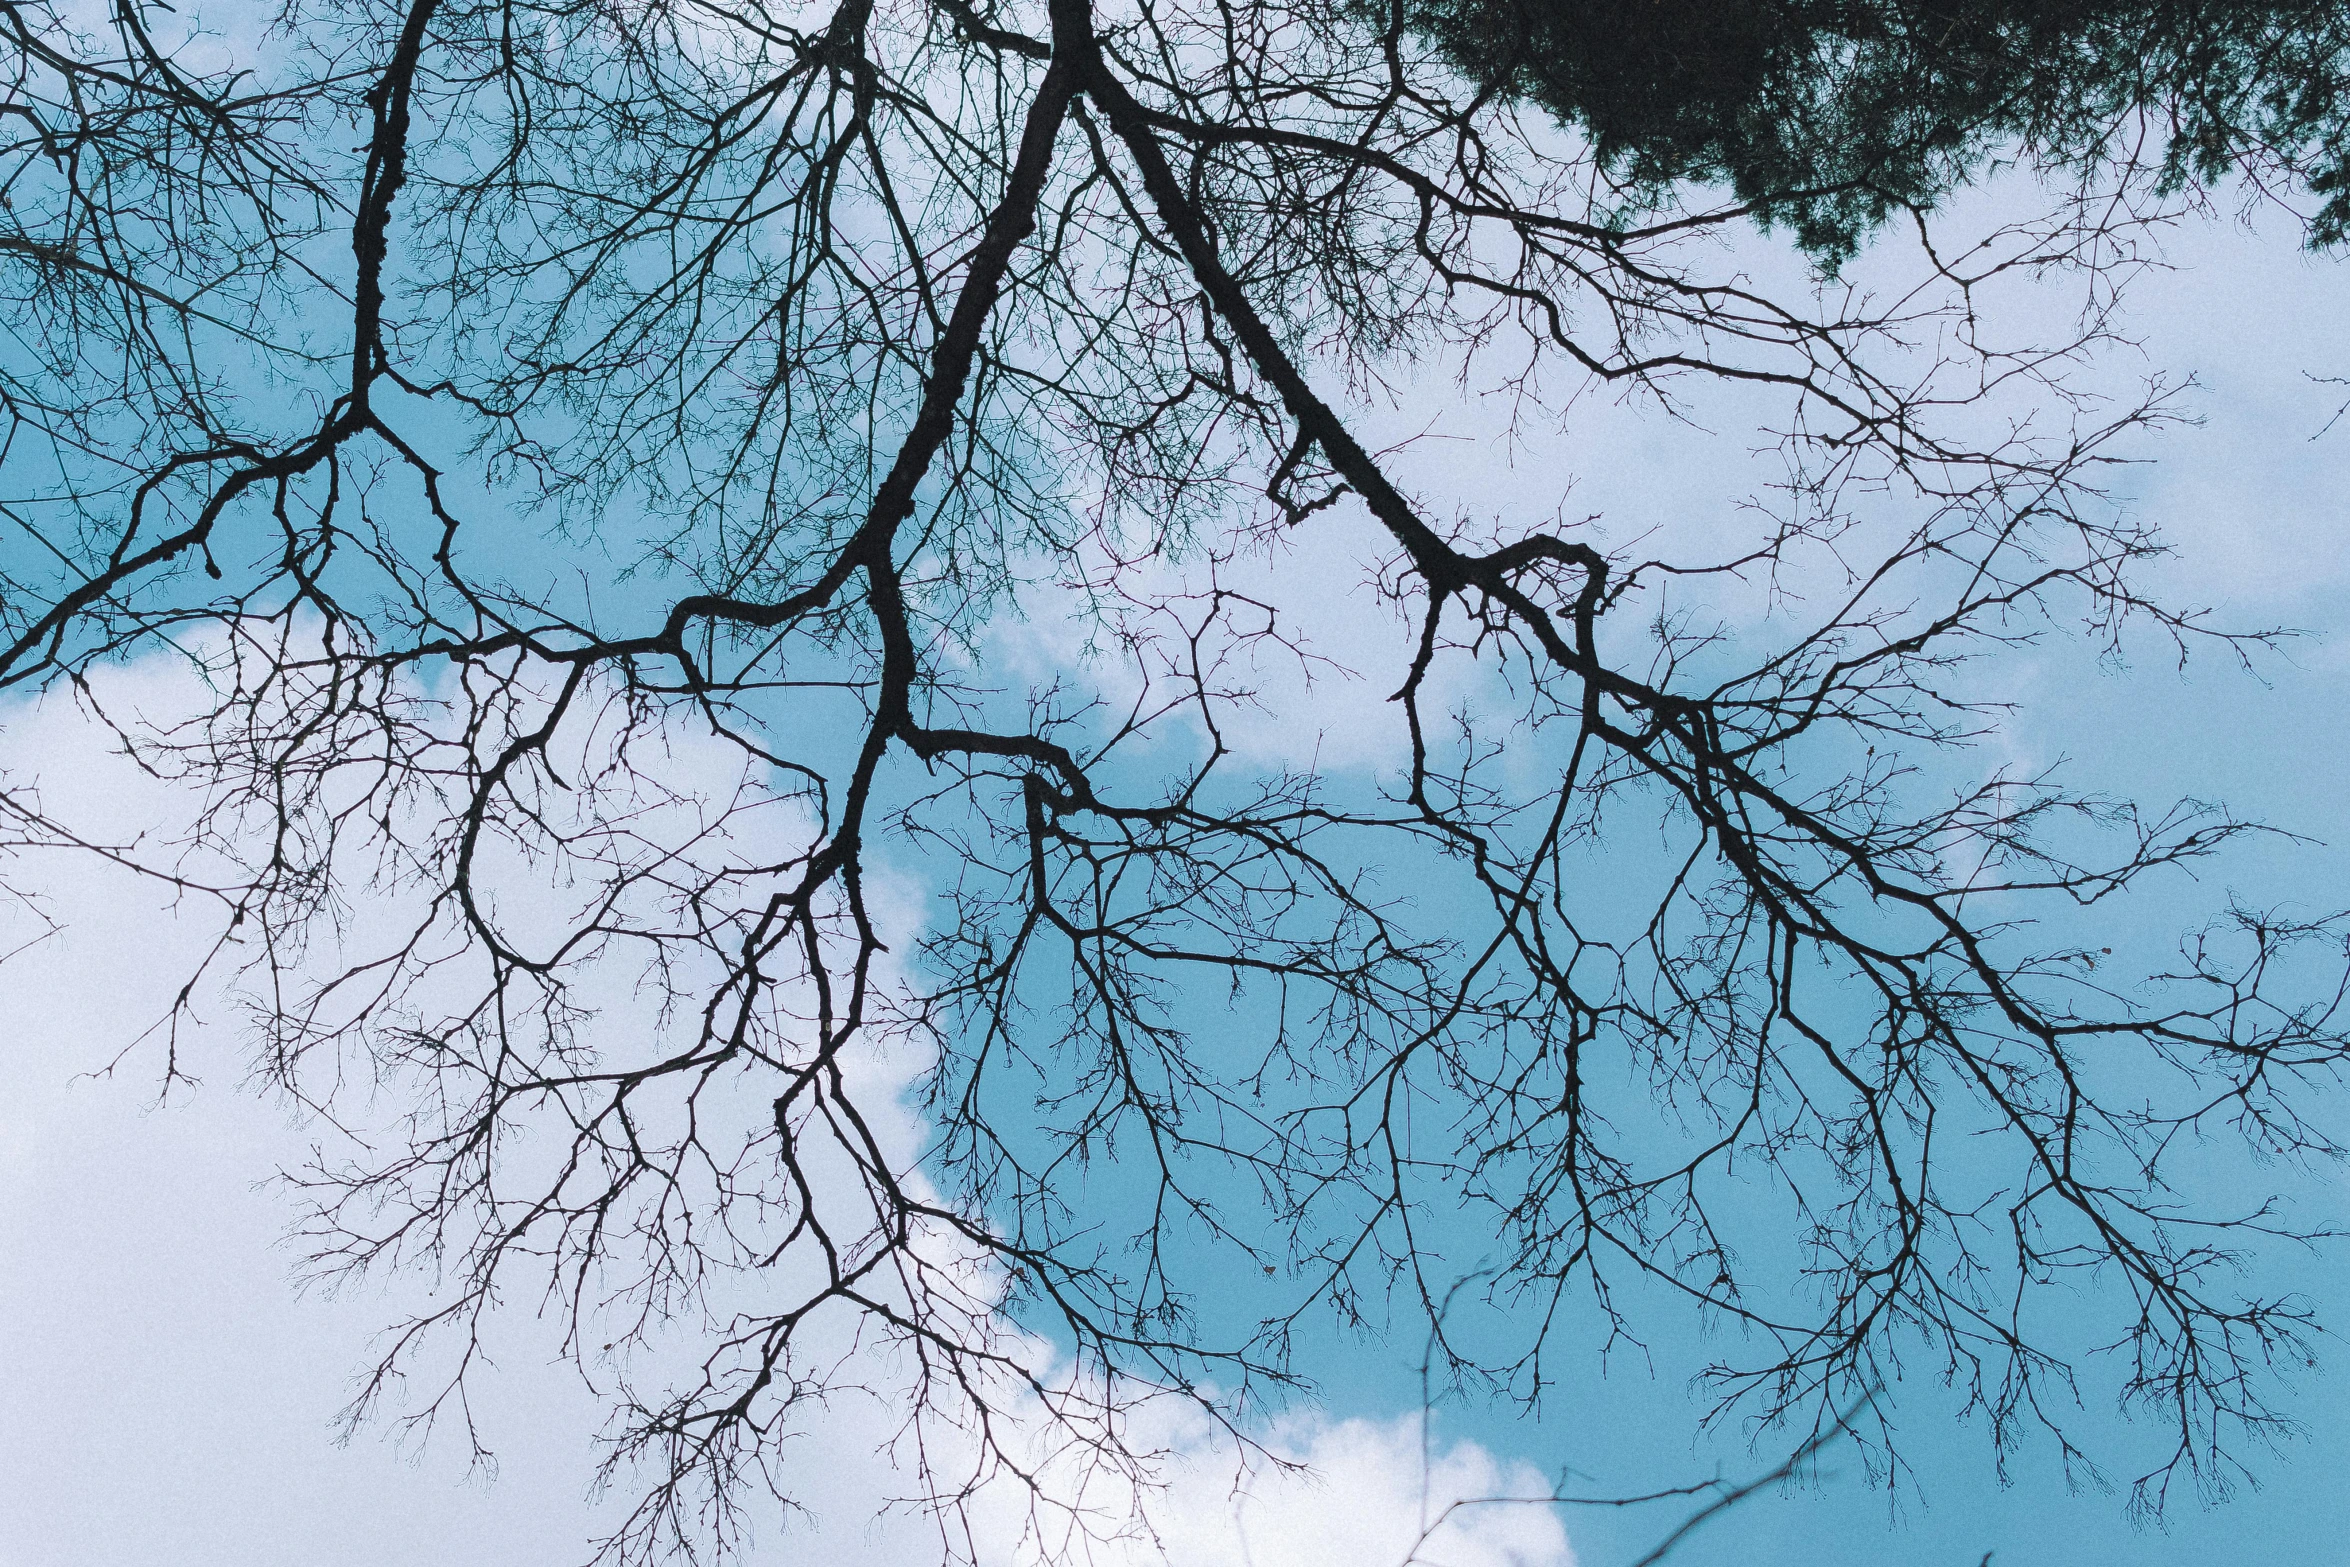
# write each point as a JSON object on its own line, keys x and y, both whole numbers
{"x": 172, "y": 1396}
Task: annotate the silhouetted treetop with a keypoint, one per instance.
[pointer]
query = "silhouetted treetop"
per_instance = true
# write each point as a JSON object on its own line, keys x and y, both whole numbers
{"x": 1829, "y": 114}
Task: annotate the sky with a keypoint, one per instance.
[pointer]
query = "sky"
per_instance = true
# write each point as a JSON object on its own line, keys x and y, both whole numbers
{"x": 167, "y": 1394}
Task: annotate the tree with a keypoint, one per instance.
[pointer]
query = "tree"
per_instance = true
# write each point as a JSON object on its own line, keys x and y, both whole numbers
{"x": 1829, "y": 117}
{"x": 823, "y": 344}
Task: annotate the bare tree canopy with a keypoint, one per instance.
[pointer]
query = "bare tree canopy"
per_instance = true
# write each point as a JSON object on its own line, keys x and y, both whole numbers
{"x": 495, "y": 400}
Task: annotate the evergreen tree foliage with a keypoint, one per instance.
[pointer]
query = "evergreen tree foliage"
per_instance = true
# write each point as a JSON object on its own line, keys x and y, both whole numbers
{"x": 1828, "y": 115}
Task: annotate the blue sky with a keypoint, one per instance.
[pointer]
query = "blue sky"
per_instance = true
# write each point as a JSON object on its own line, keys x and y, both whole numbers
{"x": 2252, "y": 498}
{"x": 169, "y": 1397}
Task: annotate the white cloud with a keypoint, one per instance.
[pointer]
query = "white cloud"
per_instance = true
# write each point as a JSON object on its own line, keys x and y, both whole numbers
{"x": 170, "y": 1397}
{"x": 1372, "y": 1498}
